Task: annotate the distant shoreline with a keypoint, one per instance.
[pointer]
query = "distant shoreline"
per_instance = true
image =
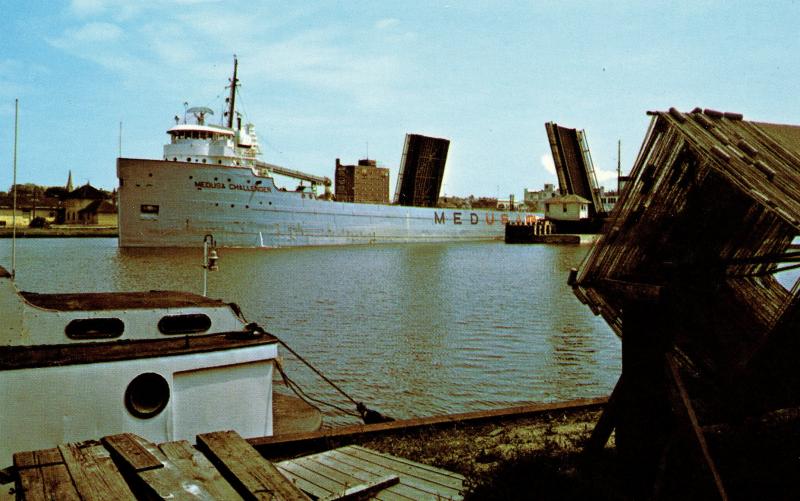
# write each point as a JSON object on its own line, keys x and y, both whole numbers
{"x": 61, "y": 232}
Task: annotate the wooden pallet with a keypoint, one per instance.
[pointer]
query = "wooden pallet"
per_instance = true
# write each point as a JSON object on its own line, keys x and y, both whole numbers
{"x": 331, "y": 473}
{"x": 222, "y": 465}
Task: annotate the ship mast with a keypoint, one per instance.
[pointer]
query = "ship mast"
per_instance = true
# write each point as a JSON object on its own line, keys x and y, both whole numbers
{"x": 232, "y": 98}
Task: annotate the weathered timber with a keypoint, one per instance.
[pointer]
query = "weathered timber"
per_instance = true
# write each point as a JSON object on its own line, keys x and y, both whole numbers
{"x": 43, "y": 476}
{"x": 692, "y": 264}
{"x": 365, "y": 489}
{"x": 194, "y": 465}
{"x": 93, "y": 472}
{"x": 132, "y": 452}
{"x": 21, "y": 357}
{"x": 250, "y": 474}
{"x": 127, "y": 467}
{"x": 326, "y": 474}
{"x": 605, "y": 424}
{"x": 138, "y": 458}
{"x": 683, "y": 406}
{"x": 294, "y": 442}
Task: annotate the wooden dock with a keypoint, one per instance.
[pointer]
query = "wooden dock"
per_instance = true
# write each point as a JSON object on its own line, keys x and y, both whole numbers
{"x": 222, "y": 465}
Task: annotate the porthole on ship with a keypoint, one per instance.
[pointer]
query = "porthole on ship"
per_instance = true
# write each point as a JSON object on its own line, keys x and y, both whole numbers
{"x": 147, "y": 395}
{"x": 192, "y": 323}
{"x": 94, "y": 328}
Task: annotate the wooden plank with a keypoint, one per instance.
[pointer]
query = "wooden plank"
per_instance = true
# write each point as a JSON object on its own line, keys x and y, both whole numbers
{"x": 94, "y": 474}
{"x": 301, "y": 483}
{"x": 22, "y": 357}
{"x": 696, "y": 431}
{"x": 361, "y": 490}
{"x": 58, "y": 484}
{"x": 135, "y": 455}
{"x": 193, "y": 464}
{"x": 43, "y": 475}
{"x": 30, "y": 484}
{"x": 399, "y": 492}
{"x": 425, "y": 488}
{"x": 605, "y": 425}
{"x": 349, "y": 432}
{"x": 321, "y": 485}
{"x": 413, "y": 487}
{"x": 166, "y": 482}
{"x": 406, "y": 466}
{"x": 250, "y": 474}
{"x": 631, "y": 291}
{"x": 37, "y": 459}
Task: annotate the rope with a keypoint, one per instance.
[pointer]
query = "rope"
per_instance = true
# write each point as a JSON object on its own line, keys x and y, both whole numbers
{"x": 302, "y": 395}
{"x": 367, "y": 415}
{"x": 348, "y": 397}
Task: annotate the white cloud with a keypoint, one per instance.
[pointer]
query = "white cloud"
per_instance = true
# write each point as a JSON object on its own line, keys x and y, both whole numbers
{"x": 605, "y": 175}
{"x": 93, "y": 32}
{"x": 602, "y": 175}
{"x": 386, "y": 23}
{"x": 547, "y": 162}
{"x": 85, "y": 8}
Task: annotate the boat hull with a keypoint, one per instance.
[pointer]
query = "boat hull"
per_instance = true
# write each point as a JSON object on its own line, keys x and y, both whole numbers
{"x": 175, "y": 204}
{"x": 205, "y": 390}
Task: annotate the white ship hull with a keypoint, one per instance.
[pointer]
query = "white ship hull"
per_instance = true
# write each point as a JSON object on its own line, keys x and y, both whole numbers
{"x": 174, "y": 204}
{"x": 47, "y": 406}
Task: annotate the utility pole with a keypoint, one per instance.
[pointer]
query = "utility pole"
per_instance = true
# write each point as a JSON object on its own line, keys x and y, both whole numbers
{"x": 619, "y": 163}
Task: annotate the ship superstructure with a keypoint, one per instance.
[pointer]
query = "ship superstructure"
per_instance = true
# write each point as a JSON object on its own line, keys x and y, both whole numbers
{"x": 210, "y": 180}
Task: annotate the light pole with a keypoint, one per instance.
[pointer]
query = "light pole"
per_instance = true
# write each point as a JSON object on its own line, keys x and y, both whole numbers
{"x": 210, "y": 259}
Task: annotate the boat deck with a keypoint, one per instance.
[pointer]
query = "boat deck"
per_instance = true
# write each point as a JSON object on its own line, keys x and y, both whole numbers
{"x": 222, "y": 465}
{"x": 93, "y": 301}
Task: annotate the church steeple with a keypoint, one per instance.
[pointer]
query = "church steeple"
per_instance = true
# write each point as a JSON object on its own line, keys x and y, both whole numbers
{"x": 69, "y": 182}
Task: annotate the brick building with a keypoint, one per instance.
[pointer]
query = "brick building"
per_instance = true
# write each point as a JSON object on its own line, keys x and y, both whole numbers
{"x": 362, "y": 183}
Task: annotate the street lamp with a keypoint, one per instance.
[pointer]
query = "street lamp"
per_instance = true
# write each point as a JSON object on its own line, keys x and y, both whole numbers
{"x": 210, "y": 259}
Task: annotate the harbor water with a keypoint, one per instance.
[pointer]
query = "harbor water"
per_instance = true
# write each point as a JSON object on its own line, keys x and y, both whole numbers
{"x": 411, "y": 330}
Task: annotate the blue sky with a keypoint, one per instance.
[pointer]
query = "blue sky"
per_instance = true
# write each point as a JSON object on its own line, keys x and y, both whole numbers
{"x": 330, "y": 79}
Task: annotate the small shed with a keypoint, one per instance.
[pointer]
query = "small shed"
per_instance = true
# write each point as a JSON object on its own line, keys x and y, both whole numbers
{"x": 566, "y": 208}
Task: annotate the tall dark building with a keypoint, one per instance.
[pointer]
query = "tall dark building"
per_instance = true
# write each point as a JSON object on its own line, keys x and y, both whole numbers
{"x": 421, "y": 171}
{"x": 362, "y": 183}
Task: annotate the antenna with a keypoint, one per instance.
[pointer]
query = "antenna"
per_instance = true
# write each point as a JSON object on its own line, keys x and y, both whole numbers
{"x": 14, "y": 203}
{"x": 232, "y": 99}
{"x": 619, "y": 163}
{"x": 120, "y": 139}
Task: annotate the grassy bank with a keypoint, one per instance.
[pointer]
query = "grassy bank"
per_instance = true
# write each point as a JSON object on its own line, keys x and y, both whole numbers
{"x": 526, "y": 458}
{"x": 61, "y": 232}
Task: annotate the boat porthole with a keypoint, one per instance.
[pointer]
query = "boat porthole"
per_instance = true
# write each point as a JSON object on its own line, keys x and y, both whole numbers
{"x": 188, "y": 159}
{"x": 147, "y": 395}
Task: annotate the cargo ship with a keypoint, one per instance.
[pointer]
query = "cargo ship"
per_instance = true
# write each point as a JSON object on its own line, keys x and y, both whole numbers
{"x": 210, "y": 180}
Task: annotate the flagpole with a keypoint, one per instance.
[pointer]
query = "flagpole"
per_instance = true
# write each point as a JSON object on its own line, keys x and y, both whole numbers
{"x": 14, "y": 207}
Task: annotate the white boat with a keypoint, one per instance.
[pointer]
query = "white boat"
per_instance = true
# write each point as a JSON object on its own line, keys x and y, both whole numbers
{"x": 210, "y": 180}
{"x": 162, "y": 365}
